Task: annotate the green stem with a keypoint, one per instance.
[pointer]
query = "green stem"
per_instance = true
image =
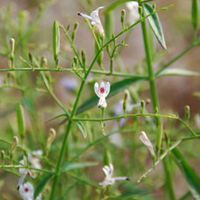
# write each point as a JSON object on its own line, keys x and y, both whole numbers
{"x": 168, "y": 178}
{"x": 155, "y": 99}
{"x": 152, "y": 81}
{"x": 181, "y": 54}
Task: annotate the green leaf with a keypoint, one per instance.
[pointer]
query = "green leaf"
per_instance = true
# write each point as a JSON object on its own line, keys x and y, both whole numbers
{"x": 178, "y": 72}
{"x": 195, "y": 14}
{"x": 72, "y": 166}
{"x": 115, "y": 89}
{"x": 40, "y": 186}
{"x": 155, "y": 24}
{"x": 190, "y": 175}
{"x": 20, "y": 120}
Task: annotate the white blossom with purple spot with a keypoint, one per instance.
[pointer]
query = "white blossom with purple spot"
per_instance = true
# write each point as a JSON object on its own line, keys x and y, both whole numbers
{"x": 102, "y": 90}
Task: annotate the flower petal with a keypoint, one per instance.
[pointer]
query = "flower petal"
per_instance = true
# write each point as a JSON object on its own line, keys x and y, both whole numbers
{"x": 85, "y": 16}
{"x": 107, "y": 87}
{"x": 96, "y": 89}
{"x": 95, "y": 15}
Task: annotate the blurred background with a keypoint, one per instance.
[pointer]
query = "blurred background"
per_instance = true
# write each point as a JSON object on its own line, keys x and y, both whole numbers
{"x": 30, "y": 22}
{"x": 176, "y": 21}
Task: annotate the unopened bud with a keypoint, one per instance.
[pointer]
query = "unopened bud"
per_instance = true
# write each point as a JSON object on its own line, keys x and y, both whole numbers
{"x": 145, "y": 140}
{"x": 43, "y": 62}
{"x": 15, "y": 142}
{"x": 74, "y": 31}
{"x": 123, "y": 15}
{"x": 143, "y": 106}
{"x": 83, "y": 57}
{"x": 12, "y": 52}
{"x": 126, "y": 96}
{"x": 3, "y": 154}
{"x": 187, "y": 112}
{"x": 51, "y": 138}
{"x": 148, "y": 101}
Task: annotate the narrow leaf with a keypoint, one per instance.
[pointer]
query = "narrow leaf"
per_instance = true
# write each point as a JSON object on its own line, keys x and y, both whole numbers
{"x": 40, "y": 186}
{"x": 20, "y": 120}
{"x": 155, "y": 24}
{"x": 115, "y": 89}
{"x": 188, "y": 172}
{"x": 178, "y": 72}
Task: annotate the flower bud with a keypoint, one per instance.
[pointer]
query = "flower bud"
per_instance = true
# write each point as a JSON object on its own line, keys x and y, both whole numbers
{"x": 15, "y": 142}
{"x": 50, "y": 140}
{"x": 123, "y": 15}
{"x": 145, "y": 140}
{"x": 187, "y": 112}
{"x": 12, "y": 52}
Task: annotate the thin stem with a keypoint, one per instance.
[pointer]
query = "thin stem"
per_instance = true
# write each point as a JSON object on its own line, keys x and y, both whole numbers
{"x": 169, "y": 178}
{"x": 155, "y": 115}
{"x": 70, "y": 121}
{"x": 181, "y": 54}
{"x": 155, "y": 99}
{"x": 62, "y": 69}
{"x": 152, "y": 80}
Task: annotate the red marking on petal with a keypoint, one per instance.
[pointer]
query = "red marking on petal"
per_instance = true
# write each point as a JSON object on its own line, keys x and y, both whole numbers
{"x": 26, "y": 189}
{"x": 102, "y": 90}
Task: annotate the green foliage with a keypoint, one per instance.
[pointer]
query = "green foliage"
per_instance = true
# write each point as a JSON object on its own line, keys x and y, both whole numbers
{"x": 43, "y": 79}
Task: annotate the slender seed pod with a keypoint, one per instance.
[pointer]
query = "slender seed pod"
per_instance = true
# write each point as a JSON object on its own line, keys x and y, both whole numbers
{"x": 56, "y": 41}
{"x": 20, "y": 120}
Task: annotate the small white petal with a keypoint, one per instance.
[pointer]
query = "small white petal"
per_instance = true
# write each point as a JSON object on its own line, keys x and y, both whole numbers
{"x": 106, "y": 171}
{"x": 37, "y": 153}
{"x": 107, "y": 86}
{"x": 102, "y": 102}
{"x": 133, "y": 13}
{"x": 111, "y": 169}
{"x": 102, "y": 85}
{"x": 95, "y": 20}
{"x": 85, "y": 16}
{"x": 132, "y": 4}
{"x": 109, "y": 180}
{"x": 96, "y": 89}
{"x": 95, "y": 15}
{"x": 123, "y": 178}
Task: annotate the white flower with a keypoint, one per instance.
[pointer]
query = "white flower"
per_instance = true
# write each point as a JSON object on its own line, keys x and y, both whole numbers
{"x": 145, "y": 140}
{"x": 26, "y": 191}
{"x": 133, "y": 14}
{"x": 95, "y": 19}
{"x": 109, "y": 179}
{"x": 34, "y": 158}
{"x": 102, "y": 92}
